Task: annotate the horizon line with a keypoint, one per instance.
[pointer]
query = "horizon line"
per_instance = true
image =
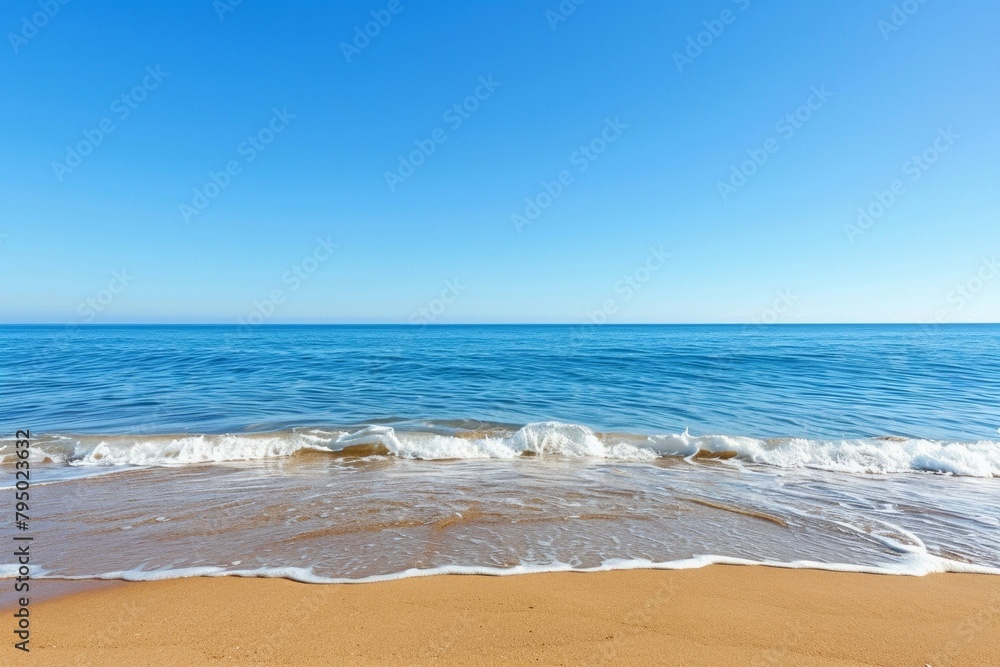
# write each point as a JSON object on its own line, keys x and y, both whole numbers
{"x": 477, "y": 324}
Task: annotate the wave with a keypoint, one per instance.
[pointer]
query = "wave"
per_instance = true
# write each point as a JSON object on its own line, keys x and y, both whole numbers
{"x": 915, "y": 564}
{"x": 163, "y": 450}
{"x": 883, "y": 455}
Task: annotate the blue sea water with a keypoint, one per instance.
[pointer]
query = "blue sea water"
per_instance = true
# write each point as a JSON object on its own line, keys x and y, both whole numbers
{"x": 837, "y": 381}
{"x": 347, "y": 453}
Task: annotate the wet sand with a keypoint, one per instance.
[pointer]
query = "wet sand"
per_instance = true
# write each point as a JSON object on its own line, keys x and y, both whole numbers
{"x": 718, "y": 615}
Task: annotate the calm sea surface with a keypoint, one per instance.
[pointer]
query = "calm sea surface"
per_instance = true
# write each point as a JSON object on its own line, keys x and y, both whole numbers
{"x": 810, "y": 381}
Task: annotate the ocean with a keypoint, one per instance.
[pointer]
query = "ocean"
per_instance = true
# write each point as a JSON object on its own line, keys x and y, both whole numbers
{"x": 359, "y": 453}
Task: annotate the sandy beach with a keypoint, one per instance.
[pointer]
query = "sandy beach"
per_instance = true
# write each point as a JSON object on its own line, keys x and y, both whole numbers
{"x": 719, "y": 615}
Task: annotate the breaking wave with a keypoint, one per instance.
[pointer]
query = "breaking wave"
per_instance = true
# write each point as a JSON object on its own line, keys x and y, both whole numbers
{"x": 883, "y": 455}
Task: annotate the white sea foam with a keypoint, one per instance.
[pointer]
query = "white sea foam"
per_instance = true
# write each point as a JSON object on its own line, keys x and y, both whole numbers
{"x": 873, "y": 456}
{"x": 180, "y": 450}
{"x": 543, "y": 439}
{"x": 36, "y": 454}
{"x": 876, "y": 456}
{"x": 916, "y": 563}
{"x": 11, "y": 570}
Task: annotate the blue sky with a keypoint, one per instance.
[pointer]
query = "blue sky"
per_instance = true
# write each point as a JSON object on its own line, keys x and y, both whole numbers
{"x": 622, "y": 122}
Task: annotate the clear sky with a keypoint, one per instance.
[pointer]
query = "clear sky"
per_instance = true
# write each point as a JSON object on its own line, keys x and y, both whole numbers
{"x": 627, "y": 124}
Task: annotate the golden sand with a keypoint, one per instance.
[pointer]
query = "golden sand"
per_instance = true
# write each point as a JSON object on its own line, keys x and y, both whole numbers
{"x": 715, "y": 616}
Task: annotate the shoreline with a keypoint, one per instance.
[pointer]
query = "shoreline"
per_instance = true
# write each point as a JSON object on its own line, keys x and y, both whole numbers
{"x": 716, "y": 615}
